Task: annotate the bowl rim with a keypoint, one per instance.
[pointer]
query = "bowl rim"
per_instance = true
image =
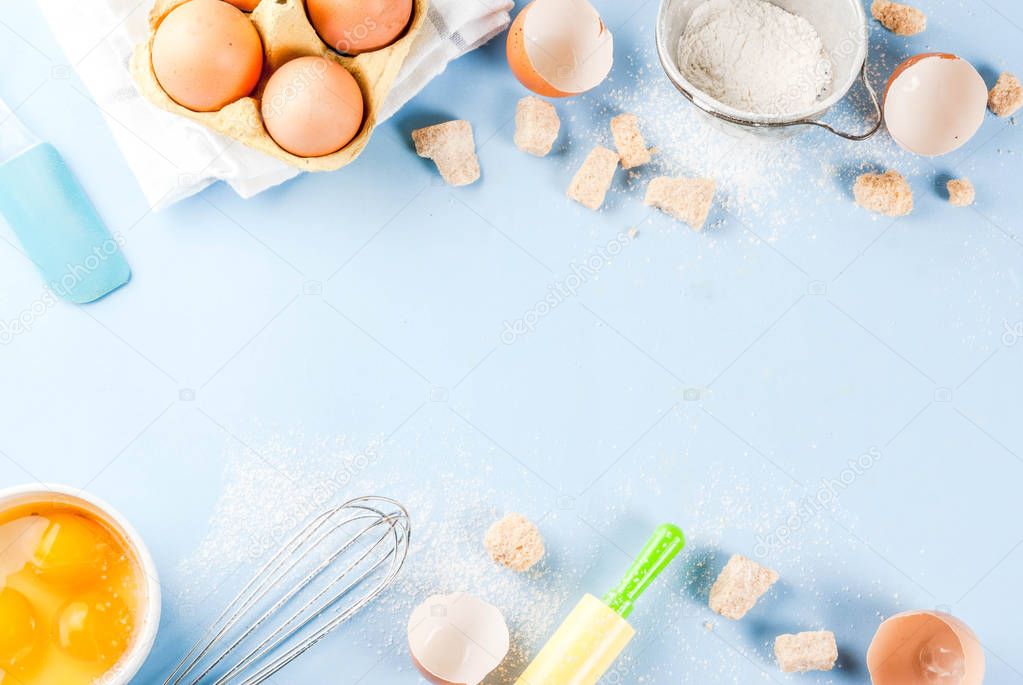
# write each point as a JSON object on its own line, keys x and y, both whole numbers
{"x": 130, "y": 663}
{"x": 669, "y": 62}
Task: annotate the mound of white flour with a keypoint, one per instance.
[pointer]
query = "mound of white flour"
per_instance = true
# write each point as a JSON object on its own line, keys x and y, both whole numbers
{"x": 754, "y": 56}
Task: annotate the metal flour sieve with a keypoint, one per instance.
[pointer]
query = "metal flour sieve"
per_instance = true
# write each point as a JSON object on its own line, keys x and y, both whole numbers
{"x": 842, "y": 26}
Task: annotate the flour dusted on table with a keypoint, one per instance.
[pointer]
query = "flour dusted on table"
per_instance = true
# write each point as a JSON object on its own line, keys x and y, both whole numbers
{"x": 754, "y": 56}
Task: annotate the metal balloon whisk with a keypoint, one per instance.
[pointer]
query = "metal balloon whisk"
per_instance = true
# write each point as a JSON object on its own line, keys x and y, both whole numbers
{"x": 336, "y": 565}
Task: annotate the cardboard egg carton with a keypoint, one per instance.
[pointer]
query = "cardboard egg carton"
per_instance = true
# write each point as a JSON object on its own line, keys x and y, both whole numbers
{"x": 286, "y": 33}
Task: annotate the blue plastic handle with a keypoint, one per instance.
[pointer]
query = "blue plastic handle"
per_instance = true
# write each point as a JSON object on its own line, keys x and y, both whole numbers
{"x": 59, "y": 228}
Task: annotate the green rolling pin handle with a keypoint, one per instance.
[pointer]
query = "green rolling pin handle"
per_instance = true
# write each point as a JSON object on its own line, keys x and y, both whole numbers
{"x": 663, "y": 546}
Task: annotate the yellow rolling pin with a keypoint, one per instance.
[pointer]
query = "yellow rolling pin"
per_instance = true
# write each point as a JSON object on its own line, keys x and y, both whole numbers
{"x": 596, "y": 632}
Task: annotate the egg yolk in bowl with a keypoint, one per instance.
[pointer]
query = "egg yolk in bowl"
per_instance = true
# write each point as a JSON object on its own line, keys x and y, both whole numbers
{"x": 70, "y": 593}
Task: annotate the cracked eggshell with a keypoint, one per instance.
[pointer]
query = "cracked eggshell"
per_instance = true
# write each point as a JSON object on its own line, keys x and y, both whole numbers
{"x": 925, "y": 647}
{"x": 560, "y": 48}
{"x": 934, "y": 103}
{"x": 457, "y": 639}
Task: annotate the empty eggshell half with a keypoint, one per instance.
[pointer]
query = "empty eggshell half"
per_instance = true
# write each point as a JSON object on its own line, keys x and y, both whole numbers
{"x": 934, "y": 103}
{"x": 924, "y": 648}
{"x": 457, "y": 639}
{"x": 559, "y": 48}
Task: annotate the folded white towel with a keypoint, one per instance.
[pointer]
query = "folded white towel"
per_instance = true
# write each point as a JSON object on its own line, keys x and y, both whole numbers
{"x": 173, "y": 157}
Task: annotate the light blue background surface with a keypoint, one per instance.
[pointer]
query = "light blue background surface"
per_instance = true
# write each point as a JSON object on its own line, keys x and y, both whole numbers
{"x": 370, "y": 302}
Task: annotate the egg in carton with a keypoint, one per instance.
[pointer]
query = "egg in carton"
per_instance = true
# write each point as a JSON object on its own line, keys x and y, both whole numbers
{"x": 286, "y": 34}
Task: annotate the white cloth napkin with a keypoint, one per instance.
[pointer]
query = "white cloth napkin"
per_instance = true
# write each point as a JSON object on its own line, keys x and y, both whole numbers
{"x": 173, "y": 157}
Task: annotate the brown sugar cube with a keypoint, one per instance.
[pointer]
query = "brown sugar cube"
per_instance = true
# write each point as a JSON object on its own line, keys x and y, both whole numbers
{"x": 536, "y": 126}
{"x": 686, "y": 199}
{"x": 886, "y": 193}
{"x": 900, "y": 19}
{"x": 452, "y": 148}
{"x": 739, "y": 585}
{"x": 812, "y": 651}
{"x": 591, "y": 182}
{"x": 629, "y": 141}
{"x": 961, "y": 192}
{"x": 1006, "y": 97}
{"x": 515, "y": 542}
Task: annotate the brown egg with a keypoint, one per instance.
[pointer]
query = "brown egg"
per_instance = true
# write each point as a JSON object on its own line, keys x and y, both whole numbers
{"x": 244, "y": 5}
{"x": 925, "y": 648}
{"x": 207, "y": 54}
{"x": 312, "y": 106}
{"x": 356, "y": 26}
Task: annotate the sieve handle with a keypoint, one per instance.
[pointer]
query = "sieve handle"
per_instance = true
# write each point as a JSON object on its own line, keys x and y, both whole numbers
{"x": 878, "y": 113}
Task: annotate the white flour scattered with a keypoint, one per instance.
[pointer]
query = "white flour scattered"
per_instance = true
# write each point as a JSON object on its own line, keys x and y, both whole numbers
{"x": 266, "y": 498}
{"x": 268, "y": 492}
{"x": 754, "y": 56}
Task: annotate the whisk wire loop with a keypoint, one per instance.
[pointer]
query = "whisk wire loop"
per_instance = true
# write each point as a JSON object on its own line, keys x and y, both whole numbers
{"x": 342, "y": 560}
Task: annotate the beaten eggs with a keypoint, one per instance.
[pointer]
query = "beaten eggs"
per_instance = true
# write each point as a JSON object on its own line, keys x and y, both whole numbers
{"x": 70, "y": 596}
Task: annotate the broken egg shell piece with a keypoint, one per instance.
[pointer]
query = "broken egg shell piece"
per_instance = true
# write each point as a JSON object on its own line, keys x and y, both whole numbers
{"x": 560, "y": 48}
{"x": 457, "y": 639}
{"x": 924, "y": 648}
{"x": 934, "y": 103}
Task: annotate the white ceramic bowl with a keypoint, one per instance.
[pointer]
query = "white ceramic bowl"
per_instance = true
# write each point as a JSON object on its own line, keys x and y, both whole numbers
{"x": 842, "y": 26}
{"x": 149, "y": 622}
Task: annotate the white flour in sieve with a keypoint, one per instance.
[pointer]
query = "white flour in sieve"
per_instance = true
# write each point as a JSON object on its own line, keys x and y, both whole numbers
{"x": 754, "y": 56}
